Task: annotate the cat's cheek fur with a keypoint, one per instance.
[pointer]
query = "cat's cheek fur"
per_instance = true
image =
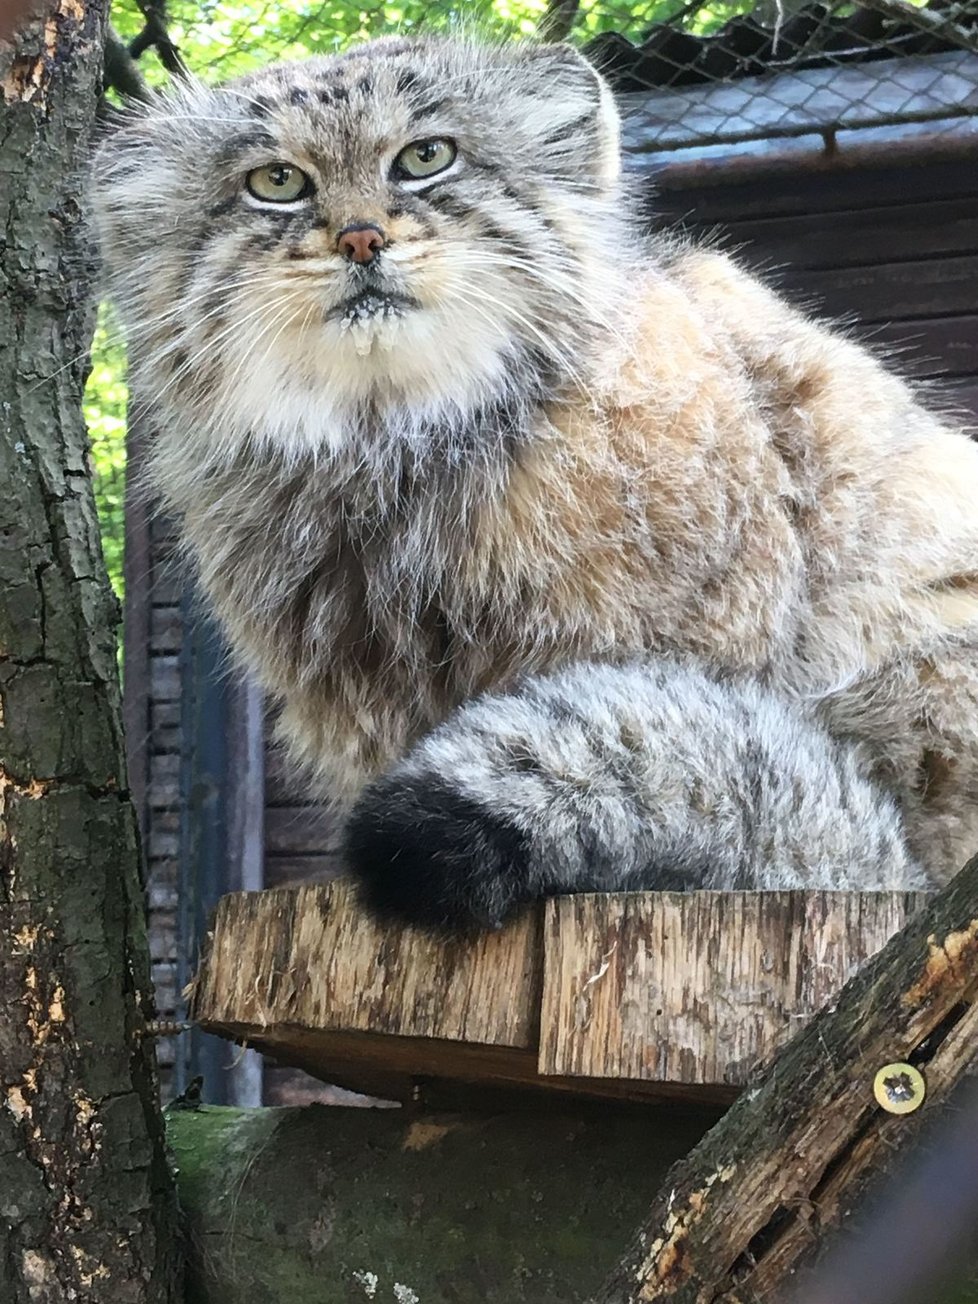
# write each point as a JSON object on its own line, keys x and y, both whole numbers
{"x": 424, "y": 854}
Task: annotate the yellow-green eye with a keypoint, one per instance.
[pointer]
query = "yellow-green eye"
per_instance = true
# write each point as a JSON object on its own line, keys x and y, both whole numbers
{"x": 424, "y": 158}
{"x": 278, "y": 183}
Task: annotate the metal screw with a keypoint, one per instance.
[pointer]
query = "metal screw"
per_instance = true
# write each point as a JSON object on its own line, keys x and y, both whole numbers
{"x": 899, "y": 1088}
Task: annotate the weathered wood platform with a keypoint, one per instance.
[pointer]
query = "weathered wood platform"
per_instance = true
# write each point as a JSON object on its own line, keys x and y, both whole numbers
{"x": 628, "y": 995}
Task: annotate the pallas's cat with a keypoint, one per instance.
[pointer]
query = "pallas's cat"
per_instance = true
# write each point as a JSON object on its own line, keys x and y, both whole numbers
{"x": 439, "y": 419}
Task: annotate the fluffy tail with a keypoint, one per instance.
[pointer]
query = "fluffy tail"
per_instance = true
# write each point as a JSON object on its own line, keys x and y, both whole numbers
{"x": 602, "y": 779}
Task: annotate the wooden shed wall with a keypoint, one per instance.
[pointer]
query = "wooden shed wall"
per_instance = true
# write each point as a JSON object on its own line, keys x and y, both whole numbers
{"x": 891, "y": 249}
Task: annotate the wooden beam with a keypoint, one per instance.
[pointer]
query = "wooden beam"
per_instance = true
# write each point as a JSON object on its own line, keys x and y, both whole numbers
{"x": 310, "y": 957}
{"x": 137, "y": 563}
{"x": 322, "y": 1205}
{"x": 737, "y": 1218}
{"x": 634, "y": 995}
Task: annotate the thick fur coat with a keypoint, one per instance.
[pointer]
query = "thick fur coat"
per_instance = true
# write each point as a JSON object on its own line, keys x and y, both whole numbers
{"x": 546, "y": 439}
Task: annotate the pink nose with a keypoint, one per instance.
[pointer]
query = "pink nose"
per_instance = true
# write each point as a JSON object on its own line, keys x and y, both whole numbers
{"x": 360, "y": 241}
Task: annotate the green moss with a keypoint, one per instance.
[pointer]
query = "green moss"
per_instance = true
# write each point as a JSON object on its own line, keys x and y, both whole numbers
{"x": 315, "y": 1205}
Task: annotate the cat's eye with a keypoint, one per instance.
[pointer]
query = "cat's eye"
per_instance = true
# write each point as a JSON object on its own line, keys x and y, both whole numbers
{"x": 278, "y": 183}
{"x": 424, "y": 158}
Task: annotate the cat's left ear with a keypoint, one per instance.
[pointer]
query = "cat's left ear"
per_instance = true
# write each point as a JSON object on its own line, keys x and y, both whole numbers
{"x": 574, "y": 112}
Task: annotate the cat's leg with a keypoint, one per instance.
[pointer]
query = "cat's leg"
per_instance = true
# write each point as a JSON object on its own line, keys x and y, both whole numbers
{"x": 601, "y": 778}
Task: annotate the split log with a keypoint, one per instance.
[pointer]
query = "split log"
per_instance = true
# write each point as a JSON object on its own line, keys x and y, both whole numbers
{"x": 638, "y": 994}
{"x": 326, "y": 1205}
{"x": 735, "y": 1220}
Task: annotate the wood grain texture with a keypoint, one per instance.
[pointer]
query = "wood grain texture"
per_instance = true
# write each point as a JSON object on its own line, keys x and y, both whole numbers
{"x": 698, "y": 987}
{"x": 637, "y": 995}
{"x": 744, "y": 1211}
{"x": 311, "y": 958}
{"x": 88, "y": 1211}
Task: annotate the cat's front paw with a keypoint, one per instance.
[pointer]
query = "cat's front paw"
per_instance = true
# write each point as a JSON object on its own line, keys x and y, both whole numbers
{"x": 426, "y": 854}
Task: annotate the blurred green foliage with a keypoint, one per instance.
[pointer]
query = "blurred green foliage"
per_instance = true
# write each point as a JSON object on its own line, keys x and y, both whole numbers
{"x": 105, "y": 415}
{"x": 220, "y": 40}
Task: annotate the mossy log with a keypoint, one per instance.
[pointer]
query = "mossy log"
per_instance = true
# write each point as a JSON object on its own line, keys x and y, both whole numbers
{"x": 324, "y": 1205}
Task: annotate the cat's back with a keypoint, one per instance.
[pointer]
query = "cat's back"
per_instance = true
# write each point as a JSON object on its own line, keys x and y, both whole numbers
{"x": 788, "y": 446}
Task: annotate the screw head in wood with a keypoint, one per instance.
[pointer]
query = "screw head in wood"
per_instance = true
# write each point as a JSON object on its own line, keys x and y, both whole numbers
{"x": 899, "y": 1088}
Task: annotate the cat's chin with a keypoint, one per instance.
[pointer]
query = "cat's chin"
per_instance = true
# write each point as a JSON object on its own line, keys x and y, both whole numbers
{"x": 368, "y": 381}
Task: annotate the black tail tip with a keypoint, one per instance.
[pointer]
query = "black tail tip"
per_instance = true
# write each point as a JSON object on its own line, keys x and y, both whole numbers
{"x": 426, "y": 854}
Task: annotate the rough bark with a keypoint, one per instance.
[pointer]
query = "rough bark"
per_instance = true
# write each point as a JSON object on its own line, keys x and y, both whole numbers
{"x": 736, "y": 1219}
{"x": 326, "y": 1205}
{"x": 86, "y": 1201}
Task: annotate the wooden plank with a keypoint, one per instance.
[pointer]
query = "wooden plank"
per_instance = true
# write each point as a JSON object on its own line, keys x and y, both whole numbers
{"x": 930, "y": 348}
{"x": 163, "y": 842}
{"x": 675, "y": 992}
{"x": 163, "y": 789}
{"x": 434, "y": 1072}
{"x": 739, "y": 1218}
{"x": 137, "y": 570}
{"x": 829, "y": 190}
{"x": 698, "y": 987}
{"x": 246, "y": 775}
{"x": 298, "y": 830}
{"x": 164, "y": 529}
{"x": 291, "y": 871}
{"x": 889, "y": 291}
{"x": 959, "y": 399}
{"x": 167, "y": 582}
{"x": 801, "y": 101}
{"x": 164, "y": 672}
{"x": 856, "y": 238}
{"x": 165, "y": 726}
{"x": 286, "y": 784}
{"x": 245, "y": 779}
{"x": 165, "y": 628}
{"x": 311, "y": 958}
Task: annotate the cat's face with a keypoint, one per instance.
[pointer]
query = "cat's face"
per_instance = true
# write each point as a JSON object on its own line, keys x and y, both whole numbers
{"x": 413, "y": 226}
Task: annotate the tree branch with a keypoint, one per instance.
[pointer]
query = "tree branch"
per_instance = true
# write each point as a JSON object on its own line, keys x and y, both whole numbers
{"x": 121, "y": 71}
{"x": 926, "y": 20}
{"x": 558, "y": 19}
{"x": 735, "y": 1219}
{"x": 156, "y": 35}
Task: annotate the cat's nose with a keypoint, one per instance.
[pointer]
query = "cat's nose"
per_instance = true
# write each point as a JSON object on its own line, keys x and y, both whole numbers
{"x": 360, "y": 241}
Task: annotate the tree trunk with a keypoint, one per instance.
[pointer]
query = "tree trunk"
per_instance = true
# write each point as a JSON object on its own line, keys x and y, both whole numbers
{"x": 87, "y": 1211}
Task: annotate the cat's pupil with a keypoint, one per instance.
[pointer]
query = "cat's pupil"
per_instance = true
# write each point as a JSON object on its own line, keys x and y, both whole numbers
{"x": 428, "y": 150}
{"x": 279, "y": 175}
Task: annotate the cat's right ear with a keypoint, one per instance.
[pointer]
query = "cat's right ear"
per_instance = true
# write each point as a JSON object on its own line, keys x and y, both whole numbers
{"x": 574, "y": 111}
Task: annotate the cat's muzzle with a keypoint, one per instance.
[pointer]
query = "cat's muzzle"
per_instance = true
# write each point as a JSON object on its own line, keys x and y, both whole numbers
{"x": 370, "y": 305}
